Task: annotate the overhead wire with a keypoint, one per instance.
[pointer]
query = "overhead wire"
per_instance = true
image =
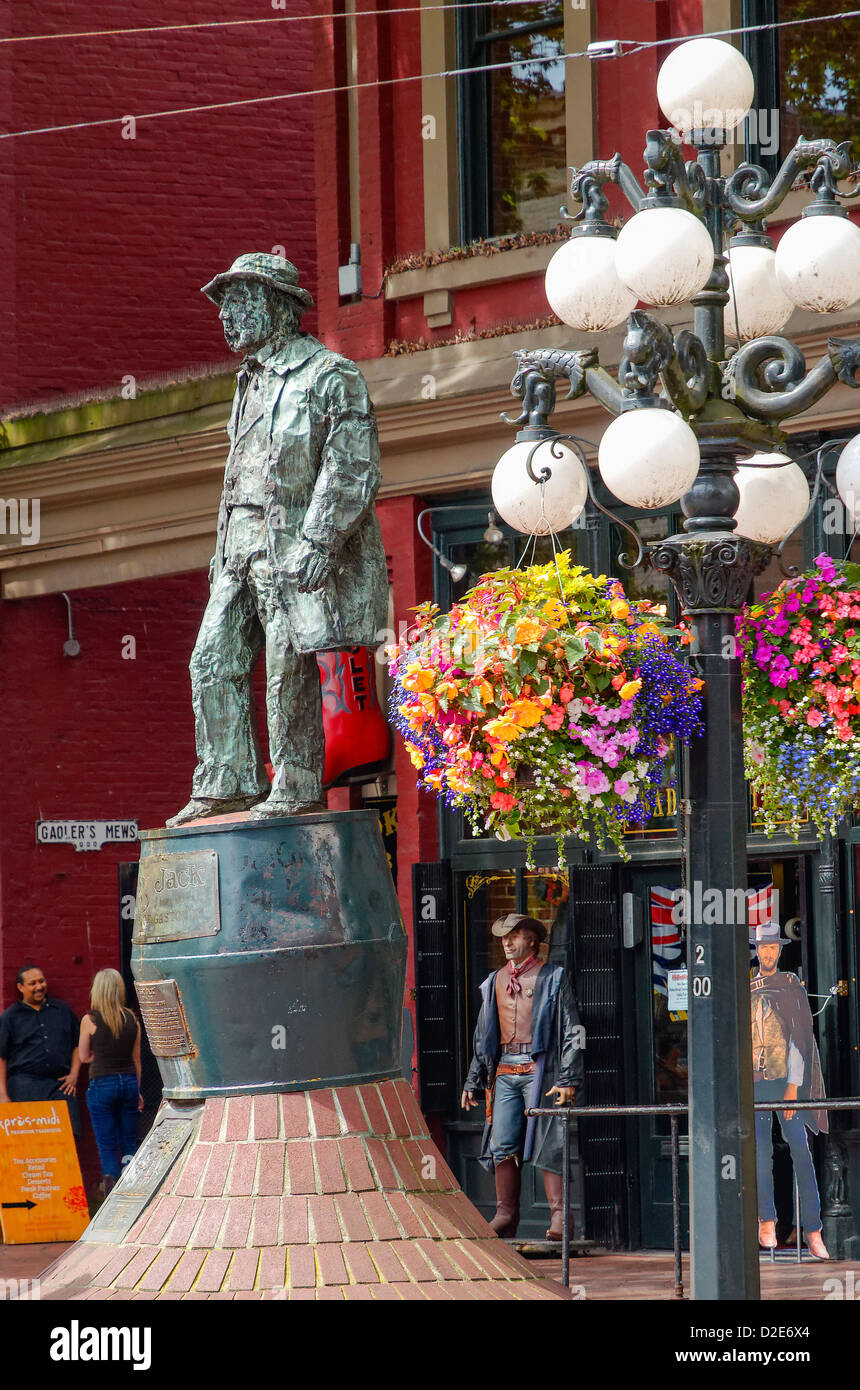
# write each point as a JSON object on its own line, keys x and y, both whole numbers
{"x": 637, "y": 47}
{"x": 416, "y": 9}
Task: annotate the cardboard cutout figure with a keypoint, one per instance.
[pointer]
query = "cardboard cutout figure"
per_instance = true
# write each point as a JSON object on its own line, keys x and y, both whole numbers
{"x": 785, "y": 1068}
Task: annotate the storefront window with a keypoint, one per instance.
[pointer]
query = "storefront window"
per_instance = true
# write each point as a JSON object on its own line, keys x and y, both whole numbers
{"x": 817, "y": 64}
{"x": 489, "y": 896}
{"x": 547, "y": 899}
{"x": 512, "y": 118}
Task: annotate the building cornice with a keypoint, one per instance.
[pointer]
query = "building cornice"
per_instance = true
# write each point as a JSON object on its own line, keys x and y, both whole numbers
{"x": 139, "y": 498}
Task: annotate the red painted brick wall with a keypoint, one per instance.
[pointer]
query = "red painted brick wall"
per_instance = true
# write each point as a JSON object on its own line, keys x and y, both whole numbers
{"x": 105, "y": 241}
{"x": 93, "y": 736}
{"x": 89, "y": 736}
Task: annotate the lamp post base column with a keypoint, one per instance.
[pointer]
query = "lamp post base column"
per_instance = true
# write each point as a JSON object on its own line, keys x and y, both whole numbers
{"x": 712, "y": 574}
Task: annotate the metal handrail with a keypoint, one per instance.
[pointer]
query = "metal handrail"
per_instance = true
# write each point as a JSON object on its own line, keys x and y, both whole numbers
{"x": 566, "y": 1113}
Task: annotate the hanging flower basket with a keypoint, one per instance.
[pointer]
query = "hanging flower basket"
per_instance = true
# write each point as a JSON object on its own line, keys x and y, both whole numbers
{"x": 800, "y": 650}
{"x": 544, "y": 702}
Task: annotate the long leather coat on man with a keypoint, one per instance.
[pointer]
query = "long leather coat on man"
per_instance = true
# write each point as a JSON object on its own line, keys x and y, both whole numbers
{"x": 556, "y": 1048}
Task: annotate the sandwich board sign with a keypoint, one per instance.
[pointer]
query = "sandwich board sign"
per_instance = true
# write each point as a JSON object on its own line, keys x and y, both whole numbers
{"x": 42, "y": 1194}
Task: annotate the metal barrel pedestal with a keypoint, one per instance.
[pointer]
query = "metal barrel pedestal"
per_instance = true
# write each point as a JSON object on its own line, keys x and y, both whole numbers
{"x": 289, "y": 1158}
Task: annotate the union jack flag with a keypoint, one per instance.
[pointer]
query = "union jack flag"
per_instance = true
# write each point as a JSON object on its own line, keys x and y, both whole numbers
{"x": 666, "y": 943}
{"x": 762, "y": 904}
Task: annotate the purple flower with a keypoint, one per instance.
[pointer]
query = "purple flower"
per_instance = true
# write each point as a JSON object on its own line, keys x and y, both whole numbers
{"x": 780, "y": 626}
{"x": 827, "y": 567}
{"x": 763, "y": 653}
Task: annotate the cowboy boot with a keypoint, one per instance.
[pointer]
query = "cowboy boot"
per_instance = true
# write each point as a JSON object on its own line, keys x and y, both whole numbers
{"x": 767, "y": 1235}
{"x": 552, "y": 1183}
{"x": 815, "y": 1245}
{"x": 507, "y": 1217}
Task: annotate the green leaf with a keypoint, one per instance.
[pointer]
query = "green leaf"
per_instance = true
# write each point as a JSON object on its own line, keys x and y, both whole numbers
{"x": 851, "y": 572}
{"x": 528, "y": 660}
{"x": 574, "y": 650}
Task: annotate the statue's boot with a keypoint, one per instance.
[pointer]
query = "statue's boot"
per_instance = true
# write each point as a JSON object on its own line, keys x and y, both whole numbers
{"x": 552, "y": 1183}
{"x": 277, "y": 804}
{"x": 201, "y": 806}
{"x": 815, "y": 1245}
{"x": 507, "y": 1217}
{"x": 767, "y": 1235}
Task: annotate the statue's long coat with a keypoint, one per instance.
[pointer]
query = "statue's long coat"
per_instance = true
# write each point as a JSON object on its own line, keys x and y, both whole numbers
{"x": 321, "y": 477}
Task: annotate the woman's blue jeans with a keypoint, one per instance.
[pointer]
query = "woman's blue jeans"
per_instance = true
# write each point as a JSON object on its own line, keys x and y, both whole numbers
{"x": 112, "y": 1102}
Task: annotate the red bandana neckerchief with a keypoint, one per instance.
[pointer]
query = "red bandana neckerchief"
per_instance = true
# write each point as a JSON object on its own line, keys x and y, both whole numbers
{"x": 513, "y": 986}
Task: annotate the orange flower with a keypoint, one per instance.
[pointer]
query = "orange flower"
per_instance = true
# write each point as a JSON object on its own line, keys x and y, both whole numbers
{"x": 485, "y": 692}
{"x": 527, "y": 630}
{"x": 415, "y": 755}
{"x": 415, "y": 716}
{"x": 620, "y": 609}
{"x": 434, "y": 780}
{"x": 526, "y": 713}
{"x": 503, "y": 729}
{"x": 458, "y": 779}
{"x": 447, "y": 689}
{"x": 417, "y": 677}
{"x": 498, "y": 757}
{"x": 648, "y": 630}
{"x": 555, "y": 612}
{"x": 630, "y": 689}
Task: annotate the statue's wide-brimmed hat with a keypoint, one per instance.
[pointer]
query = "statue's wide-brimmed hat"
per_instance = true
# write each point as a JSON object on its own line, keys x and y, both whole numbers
{"x": 276, "y": 271}
{"x": 768, "y": 934}
{"x": 503, "y": 925}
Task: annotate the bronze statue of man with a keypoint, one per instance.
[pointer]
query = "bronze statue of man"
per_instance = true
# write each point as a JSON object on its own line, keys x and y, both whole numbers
{"x": 299, "y": 565}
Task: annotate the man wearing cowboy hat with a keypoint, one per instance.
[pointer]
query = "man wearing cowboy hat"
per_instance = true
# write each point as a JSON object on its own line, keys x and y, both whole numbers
{"x": 528, "y": 1036}
{"x": 299, "y": 565}
{"x": 785, "y": 1068}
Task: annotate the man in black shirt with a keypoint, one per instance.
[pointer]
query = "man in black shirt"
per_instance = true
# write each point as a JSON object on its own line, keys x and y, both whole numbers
{"x": 39, "y": 1046}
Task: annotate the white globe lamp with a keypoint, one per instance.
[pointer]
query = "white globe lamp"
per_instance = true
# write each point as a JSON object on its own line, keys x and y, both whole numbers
{"x": 531, "y": 507}
{"x": 705, "y": 84}
{"x": 755, "y": 295}
{"x": 818, "y": 263}
{"x": 665, "y": 255}
{"x": 648, "y": 457}
{"x": 848, "y": 480}
{"x": 773, "y": 500}
{"x": 583, "y": 287}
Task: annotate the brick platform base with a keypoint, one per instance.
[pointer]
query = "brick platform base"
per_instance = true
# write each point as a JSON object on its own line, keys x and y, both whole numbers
{"x": 327, "y": 1194}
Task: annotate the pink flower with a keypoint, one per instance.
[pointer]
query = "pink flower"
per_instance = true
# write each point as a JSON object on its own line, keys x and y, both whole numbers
{"x": 554, "y": 717}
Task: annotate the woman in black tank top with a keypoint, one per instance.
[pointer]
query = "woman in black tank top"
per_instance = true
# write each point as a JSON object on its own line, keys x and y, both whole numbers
{"x": 110, "y": 1042}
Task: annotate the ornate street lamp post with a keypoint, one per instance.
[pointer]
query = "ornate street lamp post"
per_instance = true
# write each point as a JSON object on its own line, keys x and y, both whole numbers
{"x": 685, "y": 442}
